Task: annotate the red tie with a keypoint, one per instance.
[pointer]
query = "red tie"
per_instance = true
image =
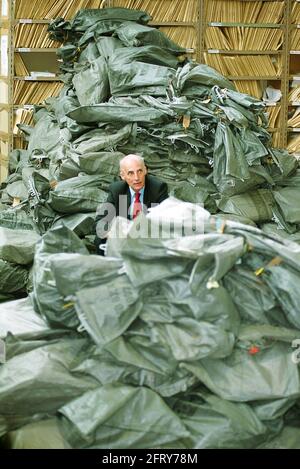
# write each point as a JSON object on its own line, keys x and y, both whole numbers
{"x": 137, "y": 206}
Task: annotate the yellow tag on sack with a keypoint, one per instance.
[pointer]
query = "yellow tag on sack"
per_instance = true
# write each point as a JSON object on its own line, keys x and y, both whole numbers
{"x": 186, "y": 121}
{"x": 16, "y": 201}
{"x": 53, "y": 184}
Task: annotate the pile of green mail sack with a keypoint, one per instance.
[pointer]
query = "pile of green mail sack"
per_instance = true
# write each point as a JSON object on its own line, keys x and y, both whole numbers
{"x": 130, "y": 89}
{"x": 185, "y": 339}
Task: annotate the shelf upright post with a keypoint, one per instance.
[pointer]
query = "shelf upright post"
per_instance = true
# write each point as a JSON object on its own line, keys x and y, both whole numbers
{"x": 285, "y": 72}
{"x": 201, "y": 26}
{"x": 11, "y": 11}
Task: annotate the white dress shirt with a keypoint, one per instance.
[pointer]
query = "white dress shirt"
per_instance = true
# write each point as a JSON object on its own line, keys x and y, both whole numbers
{"x": 132, "y": 193}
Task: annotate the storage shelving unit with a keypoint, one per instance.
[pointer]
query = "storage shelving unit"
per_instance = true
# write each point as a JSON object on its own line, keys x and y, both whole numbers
{"x": 30, "y": 52}
{"x": 254, "y": 43}
{"x": 293, "y": 99}
{"x": 178, "y": 19}
{"x": 256, "y": 46}
{"x": 5, "y": 138}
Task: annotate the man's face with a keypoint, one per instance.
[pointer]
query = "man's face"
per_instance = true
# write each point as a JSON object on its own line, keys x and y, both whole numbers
{"x": 133, "y": 172}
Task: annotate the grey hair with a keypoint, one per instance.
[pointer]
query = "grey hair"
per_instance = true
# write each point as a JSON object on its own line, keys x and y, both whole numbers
{"x": 131, "y": 156}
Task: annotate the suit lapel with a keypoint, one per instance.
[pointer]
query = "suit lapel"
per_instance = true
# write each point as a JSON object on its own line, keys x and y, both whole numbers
{"x": 147, "y": 197}
{"x": 128, "y": 202}
{"x": 147, "y": 194}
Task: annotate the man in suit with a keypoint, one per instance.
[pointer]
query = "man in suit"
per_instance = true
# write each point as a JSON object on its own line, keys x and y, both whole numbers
{"x": 127, "y": 198}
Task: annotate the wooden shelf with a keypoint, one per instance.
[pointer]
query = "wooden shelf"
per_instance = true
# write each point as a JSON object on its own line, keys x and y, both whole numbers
{"x": 265, "y": 0}
{"x": 243, "y": 52}
{"x": 151, "y": 23}
{"x": 253, "y": 77}
{"x": 29, "y": 78}
{"x": 26, "y": 106}
{"x": 272, "y": 104}
{"x": 4, "y": 136}
{"x": 173, "y": 23}
{"x": 36, "y": 49}
{"x": 244, "y": 25}
{"x": 21, "y": 135}
{"x": 284, "y": 30}
{"x": 31, "y": 21}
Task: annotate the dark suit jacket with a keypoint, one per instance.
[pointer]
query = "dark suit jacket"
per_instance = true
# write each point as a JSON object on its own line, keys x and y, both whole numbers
{"x": 155, "y": 192}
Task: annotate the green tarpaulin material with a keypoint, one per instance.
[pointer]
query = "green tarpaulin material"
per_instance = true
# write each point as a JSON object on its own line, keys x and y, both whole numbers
{"x": 81, "y": 194}
{"x": 114, "y": 113}
{"x": 90, "y": 84}
{"x": 126, "y": 404}
{"x": 84, "y": 19}
{"x": 51, "y": 372}
{"x": 19, "y": 320}
{"x": 80, "y": 223}
{"x": 13, "y": 278}
{"x": 257, "y": 205}
{"x": 174, "y": 335}
{"x": 44, "y": 434}
{"x": 288, "y": 200}
{"x": 143, "y": 70}
{"x": 16, "y": 219}
{"x": 217, "y": 423}
{"x": 140, "y": 35}
{"x": 47, "y": 300}
{"x": 17, "y": 246}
